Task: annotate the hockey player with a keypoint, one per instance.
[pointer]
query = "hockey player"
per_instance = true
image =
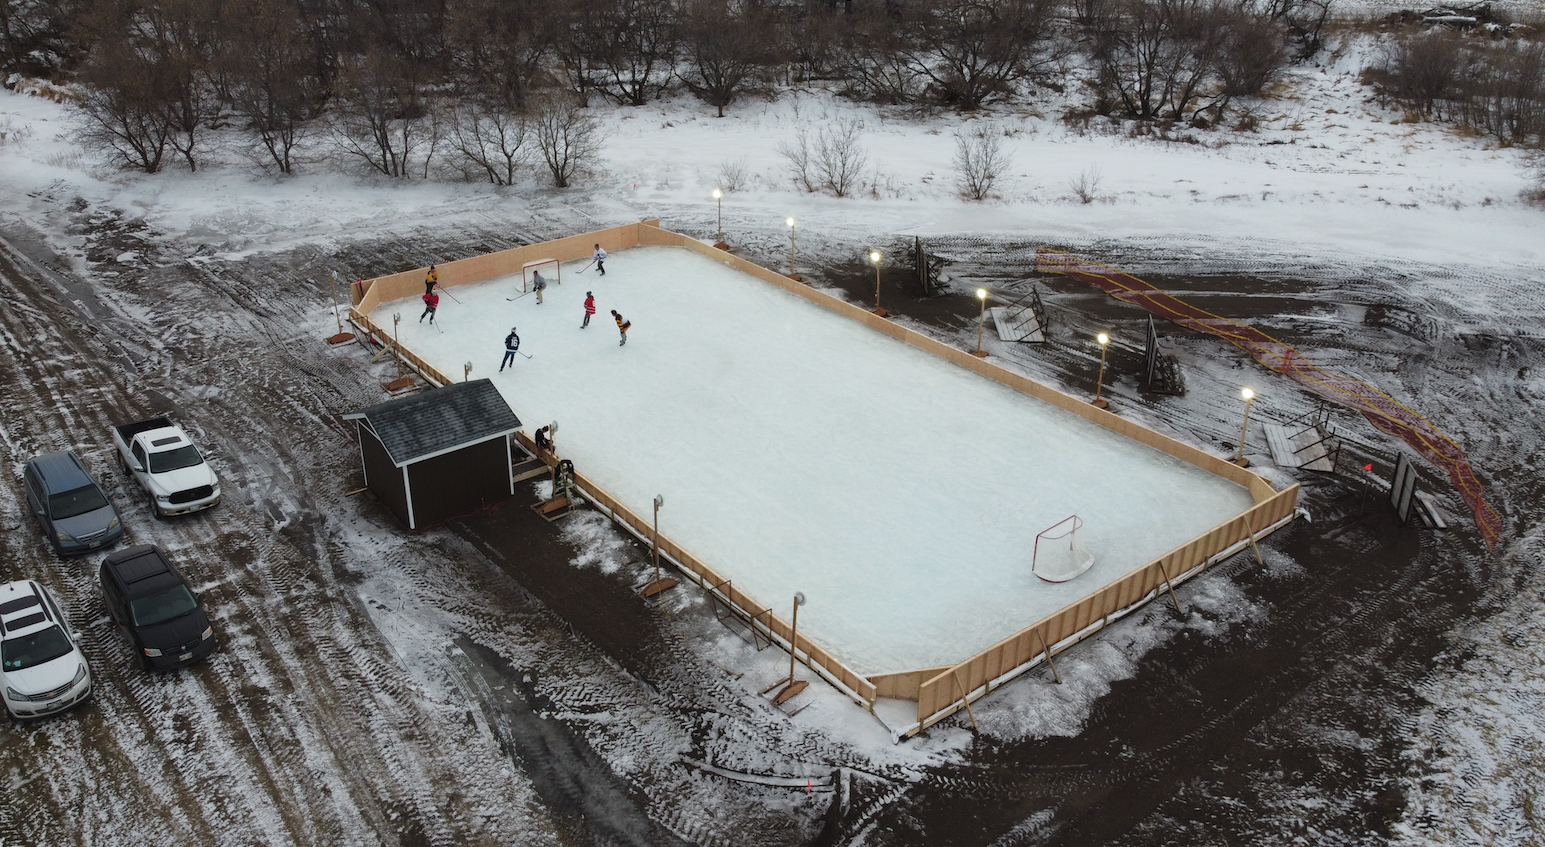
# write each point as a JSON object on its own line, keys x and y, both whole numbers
{"x": 589, "y": 309}
{"x": 623, "y": 325}
{"x": 431, "y": 279}
{"x": 511, "y": 347}
{"x": 600, "y": 259}
{"x": 431, "y": 302}
{"x": 538, "y": 284}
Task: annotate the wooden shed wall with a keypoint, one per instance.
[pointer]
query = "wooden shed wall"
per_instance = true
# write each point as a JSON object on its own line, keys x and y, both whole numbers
{"x": 459, "y": 482}
{"x": 383, "y": 477}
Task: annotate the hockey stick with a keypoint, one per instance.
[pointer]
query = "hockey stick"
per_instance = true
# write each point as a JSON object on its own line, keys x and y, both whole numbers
{"x": 448, "y": 294}
{"x": 527, "y": 355}
{"x": 512, "y": 299}
{"x": 586, "y": 267}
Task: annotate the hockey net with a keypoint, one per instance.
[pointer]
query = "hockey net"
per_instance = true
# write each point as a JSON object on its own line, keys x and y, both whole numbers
{"x": 1060, "y": 553}
{"x": 548, "y": 268}
{"x": 1381, "y": 410}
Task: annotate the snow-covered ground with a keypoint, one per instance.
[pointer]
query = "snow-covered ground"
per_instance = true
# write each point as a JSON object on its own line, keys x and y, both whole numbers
{"x": 1332, "y": 187}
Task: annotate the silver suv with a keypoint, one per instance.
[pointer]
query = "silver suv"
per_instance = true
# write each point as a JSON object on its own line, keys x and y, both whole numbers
{"x": 76, "y": 516}
{"x": 42, "y": 668}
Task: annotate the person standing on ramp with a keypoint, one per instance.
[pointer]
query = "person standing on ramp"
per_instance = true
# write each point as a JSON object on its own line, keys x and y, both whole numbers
{"x": 589, "y": 309}
{"x": 511, "y": 347}
{"x": 600, "y": 259}
{"x": 623, "y": 325}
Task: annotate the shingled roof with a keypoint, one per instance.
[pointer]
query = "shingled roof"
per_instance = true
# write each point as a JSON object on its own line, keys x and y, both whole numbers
{"x": 439, "y": 421}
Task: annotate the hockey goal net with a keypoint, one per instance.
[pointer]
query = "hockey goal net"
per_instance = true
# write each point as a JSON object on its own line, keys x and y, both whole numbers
{"x": 1060, "y": 553}
{"x": 548, "y": 268}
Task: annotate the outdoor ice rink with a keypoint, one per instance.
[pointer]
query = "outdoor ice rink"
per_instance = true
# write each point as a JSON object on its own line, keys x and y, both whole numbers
{"x": 797, "y": 450}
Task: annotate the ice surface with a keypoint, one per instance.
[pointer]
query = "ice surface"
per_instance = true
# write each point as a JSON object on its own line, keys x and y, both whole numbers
{"x": 800, "y": 451}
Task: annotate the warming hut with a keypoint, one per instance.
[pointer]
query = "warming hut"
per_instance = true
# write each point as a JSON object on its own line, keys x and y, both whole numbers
{"x": 438, "y": 454}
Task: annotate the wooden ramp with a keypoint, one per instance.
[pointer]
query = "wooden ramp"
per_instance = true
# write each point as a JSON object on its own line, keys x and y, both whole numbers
{"x": 1020, "y": 327}
{"x": 1300, "y": 447}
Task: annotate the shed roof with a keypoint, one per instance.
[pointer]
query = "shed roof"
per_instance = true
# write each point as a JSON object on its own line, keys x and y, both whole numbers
{"x": 439, "y": 421}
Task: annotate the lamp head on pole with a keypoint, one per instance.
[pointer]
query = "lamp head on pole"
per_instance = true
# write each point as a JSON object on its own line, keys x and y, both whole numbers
{"x": 874, "y": 256}
{"x": 1247, "y": 394}
{"x": 1103, "y": 339}
{"x": 717, "y": 194}
{"x": 981, "y": 294}
{"x": 659, "y": 502}
{"x": 466, "y": 371}
{"x": 396, "y": 317}
{"x": 553, "y": 428}
{"x": 799, "y": 599}
{"x": 790, "y": 222}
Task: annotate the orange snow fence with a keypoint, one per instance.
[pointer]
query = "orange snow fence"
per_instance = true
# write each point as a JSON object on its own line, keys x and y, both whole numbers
{"x": 1383, "y": 411}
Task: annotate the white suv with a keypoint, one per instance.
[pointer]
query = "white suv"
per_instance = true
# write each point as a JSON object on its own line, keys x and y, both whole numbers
{"x": 41, "y": 665}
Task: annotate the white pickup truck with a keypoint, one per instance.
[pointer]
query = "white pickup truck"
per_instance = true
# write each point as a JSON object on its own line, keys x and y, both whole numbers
{"x": 163, "y": 460}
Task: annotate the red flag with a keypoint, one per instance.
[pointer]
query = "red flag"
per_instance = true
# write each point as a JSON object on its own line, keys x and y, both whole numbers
{"x": 1368, "y": 467}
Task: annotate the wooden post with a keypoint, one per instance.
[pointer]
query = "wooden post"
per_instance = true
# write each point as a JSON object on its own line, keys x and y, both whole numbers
{"x": 1169, "y": 585}
{"x": 1250, "y": 534}
{"x": 964, "y": 698}
{"x": 1047, "y": 650}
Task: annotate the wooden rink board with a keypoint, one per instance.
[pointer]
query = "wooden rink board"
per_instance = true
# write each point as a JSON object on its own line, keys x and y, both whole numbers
{"x": 939, "y": 691}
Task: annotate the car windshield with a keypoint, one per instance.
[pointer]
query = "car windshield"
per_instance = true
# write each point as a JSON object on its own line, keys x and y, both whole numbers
{"x": 174, "y": 602}
{"x": 78, "y": 502}
{"x": 185, "y": 456}
{"x": 27, "y": 651}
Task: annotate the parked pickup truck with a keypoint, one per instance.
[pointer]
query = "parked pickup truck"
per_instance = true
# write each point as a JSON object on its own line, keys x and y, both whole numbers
{"x": 163, "y": 460}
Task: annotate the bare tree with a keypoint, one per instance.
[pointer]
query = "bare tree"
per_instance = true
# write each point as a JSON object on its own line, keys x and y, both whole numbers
{"x": 1254, "y": 53}
{"x": 583, "y": 44}
{"x": 1426, "y": 70}
{"x": 1086, "y": 186}
{"x": 642, "y": 58}
{"x": 840, "y": 157}
{"x": 502, "y": 46}
{"x": 974, "y": 50}
{"x": 1304, "y": 19}
{"x": 273, "y": 71}
{"x": 124, "y": 108}
{"x": 980, "y": 160}
{"x": 381, "y": 117}
{"x": 801, "y": 161}
{"x": 726, "y": 45}
{"x": 34, "y": 35}
{"x": 834, "y": 161}
{"x": 568, "y": 138}
{"x": 490, "y": 141}
{"x": 1160, "y": 56}
{"x": 878, "y": 61}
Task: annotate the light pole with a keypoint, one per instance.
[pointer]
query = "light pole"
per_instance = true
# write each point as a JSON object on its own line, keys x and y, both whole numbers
{"x": 657, "y": 584}
{"x": 400, "y": 382}
{"x": 981, "y": 321}
{"x": 874, "y": 256}
{"x": 1099, "y": 384}
{"x": 338, "y": 316}
{"x": 799, "y": 600}
{"x": 718, "y": 197}
{"x": 466, "y": 371}
{"x": 792, "y": 252}
{"x": 1248, "y": 395}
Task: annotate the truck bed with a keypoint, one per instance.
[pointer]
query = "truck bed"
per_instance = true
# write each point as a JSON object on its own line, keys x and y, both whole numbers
{"x": 129, "y": 430}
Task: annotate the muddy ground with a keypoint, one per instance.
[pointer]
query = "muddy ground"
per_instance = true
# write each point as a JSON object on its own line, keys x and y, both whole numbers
{"x": 470, "y": 685}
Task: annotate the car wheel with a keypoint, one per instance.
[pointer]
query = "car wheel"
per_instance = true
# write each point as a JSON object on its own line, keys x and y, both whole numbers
{"x": 154, "y": 509}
